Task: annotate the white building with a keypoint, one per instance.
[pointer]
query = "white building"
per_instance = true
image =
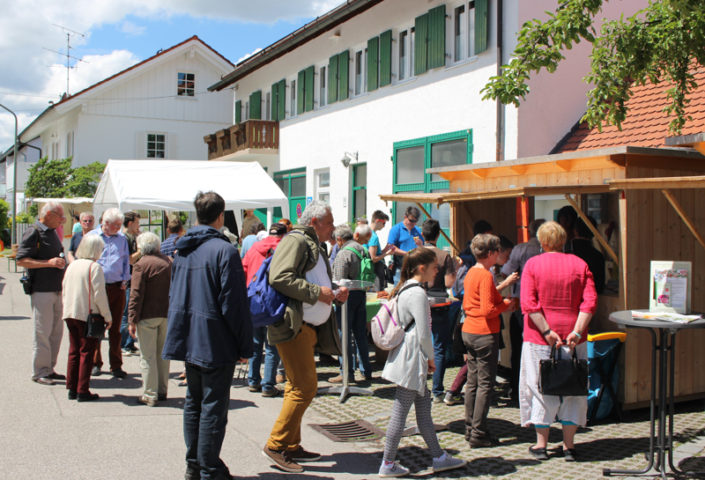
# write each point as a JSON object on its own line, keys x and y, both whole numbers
{"x": 158, "y": 108}
{"x": 365, "y": 98}
{"x": 28, "y": 154}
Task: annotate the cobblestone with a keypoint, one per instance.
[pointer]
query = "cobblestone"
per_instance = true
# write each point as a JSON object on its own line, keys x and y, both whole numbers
{"x": 604, "y": 445}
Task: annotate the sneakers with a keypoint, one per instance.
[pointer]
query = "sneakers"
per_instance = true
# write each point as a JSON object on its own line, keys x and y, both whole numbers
{"x": 150, "y": 402}
{"x": 387, "y": 470}
{"x": 95, "y": 371}
{"x": 254, "y": 388}
{"x": 483, "y": 442}
{"x": 446, "y": 462}
{"x": 301, "y": 455}
{"x": 43, "y": 381}
{"x": 128, "y": 352}
{"x": 451, "y": 399}
{"x": 438, "y": 398}
{"x": 282, "y": 459}
{"x": 271, "y": 392}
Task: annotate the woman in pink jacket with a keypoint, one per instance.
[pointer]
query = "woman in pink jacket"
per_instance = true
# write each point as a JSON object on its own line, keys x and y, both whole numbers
{"x": 558, "y": 299}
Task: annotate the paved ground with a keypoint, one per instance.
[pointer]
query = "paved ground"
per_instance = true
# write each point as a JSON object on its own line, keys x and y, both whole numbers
{"x": 46, "y": 436}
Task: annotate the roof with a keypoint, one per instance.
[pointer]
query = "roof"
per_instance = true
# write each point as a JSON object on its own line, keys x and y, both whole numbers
{"x": 159, "y": 54}
{"x": 646, "y": 123}
{"x": 308, "y": 32}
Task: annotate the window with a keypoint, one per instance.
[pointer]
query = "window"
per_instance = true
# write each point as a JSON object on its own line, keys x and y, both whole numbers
{"x": 480, "y": 26}
{"x": 403, "y": 54}
{"x": 255, "y": 112}
{"x": 156, "y": 145}
{"x": 358, "y": 72}
{"x": 339, "y": 77}
{"x": 69, "y": 144}
{"x": 430, "y": 42}
{"x": 268, "y": 106}
{"x": 54, "y": 151}
{"x": 459, "y": 31}
{"x": 322, "y": 185}
{"x": 359, "y": 191}
{"x": 293, "y": 184}
{"x": 412, "y": 158}
{"x": 292, "y": 104}
{"x": 279, "y": 100}
{"x": 372, "y": 64}
{"x": 238, "y": 111}
{"x": 385, "y": 58}
{"x": 322, "y": 87}
{"x": 186, "y": 84}
{"x": 304, "y": 94}
{"x": 247, "y": 111}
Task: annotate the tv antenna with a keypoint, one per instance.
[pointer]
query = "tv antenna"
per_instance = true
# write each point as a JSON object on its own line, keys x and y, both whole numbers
{"x": 69, "y": 33}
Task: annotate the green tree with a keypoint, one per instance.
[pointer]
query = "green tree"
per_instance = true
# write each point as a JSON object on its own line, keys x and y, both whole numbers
{"x": 48, "y": 178}
{"x": 84, "y": 180}
{"x": 661, "y": 43}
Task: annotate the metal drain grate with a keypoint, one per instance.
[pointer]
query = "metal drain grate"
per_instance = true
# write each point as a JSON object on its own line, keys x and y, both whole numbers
{"x": 354, "y": 431}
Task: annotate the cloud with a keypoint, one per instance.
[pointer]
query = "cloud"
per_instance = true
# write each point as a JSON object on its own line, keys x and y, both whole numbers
{"x": 256, "y": 50}
{"x": 132, "y": 29}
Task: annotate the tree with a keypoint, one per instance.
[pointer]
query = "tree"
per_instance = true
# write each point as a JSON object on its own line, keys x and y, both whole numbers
{"x": 56, "y": 179}
{"x": 661, "y": 43}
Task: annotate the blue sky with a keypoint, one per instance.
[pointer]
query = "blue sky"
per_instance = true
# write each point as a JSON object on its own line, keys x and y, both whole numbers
{"x": 120, "y": 34}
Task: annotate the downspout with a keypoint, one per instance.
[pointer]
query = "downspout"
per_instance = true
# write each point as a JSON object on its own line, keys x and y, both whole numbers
{"x": 499, "y": 127}
{"x": 32, "y": 146}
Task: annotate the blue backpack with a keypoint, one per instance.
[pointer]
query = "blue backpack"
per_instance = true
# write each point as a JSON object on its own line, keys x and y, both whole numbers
{"x": 267, "y": 305}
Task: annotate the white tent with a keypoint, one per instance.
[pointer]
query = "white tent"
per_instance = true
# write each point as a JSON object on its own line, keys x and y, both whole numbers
{"x": 173, "y": 184}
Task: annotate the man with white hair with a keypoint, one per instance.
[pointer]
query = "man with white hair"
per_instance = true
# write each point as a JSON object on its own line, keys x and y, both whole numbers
{"x": 115, "y": 261}
{"x": 42, "y": 254}
{"x": 86, "y": 220}
{"x": 300, "y": 270}
{"x": 347, "y": 266}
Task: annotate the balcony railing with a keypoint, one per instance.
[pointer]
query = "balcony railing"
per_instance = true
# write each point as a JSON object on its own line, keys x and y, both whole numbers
{"x": 252, "y": 134}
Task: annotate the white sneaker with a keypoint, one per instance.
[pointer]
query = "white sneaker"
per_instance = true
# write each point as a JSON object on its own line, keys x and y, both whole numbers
{"x": 446, "y": 462}
{"x": 393, "y": 470}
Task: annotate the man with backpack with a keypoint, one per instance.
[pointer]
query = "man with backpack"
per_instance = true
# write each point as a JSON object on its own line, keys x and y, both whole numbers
{"x": 353, "y": 262}
{"x": 251, "y": 263}
{"x": 300, "y": 271}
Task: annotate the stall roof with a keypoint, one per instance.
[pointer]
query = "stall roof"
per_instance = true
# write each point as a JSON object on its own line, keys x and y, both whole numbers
{"x": 69, "y": 201}
{"x": 173, "y": 184}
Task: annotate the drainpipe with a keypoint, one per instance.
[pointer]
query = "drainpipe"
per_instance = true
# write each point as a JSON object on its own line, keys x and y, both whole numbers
{"x": 499, "y": 127}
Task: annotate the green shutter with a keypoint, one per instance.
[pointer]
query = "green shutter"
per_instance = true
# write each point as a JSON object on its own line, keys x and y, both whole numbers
{"x": 343, "y": 75}
{"x": 256, "y": 105}
{"x": 274, "y": 107}
{"x": 238, "y": 111}
{"x": 385, "y": 58}
{"x": 281, "y": 99}
{"x": 372, "y": 64}
{"x": 420, "y": 44}
{"x": 437, "y": 37}
{"x": 481, "y": 21}
{"x": 300, "y": 93}
{"x": 308, "y": 89}
{"x": 333, "y": 79}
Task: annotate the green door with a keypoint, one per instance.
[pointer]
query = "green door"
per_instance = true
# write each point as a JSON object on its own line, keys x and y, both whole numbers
{"x": 293, "y": 184}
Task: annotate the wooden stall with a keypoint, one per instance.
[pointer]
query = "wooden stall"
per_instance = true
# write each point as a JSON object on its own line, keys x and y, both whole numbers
{"x": 654, "y": 197}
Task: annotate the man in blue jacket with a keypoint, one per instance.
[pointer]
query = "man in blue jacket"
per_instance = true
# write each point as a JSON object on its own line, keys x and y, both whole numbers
{"x": 210, "y": 330}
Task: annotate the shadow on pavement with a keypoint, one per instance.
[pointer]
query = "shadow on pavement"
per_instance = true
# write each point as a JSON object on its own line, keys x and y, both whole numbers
{"x": 13, "y": 317}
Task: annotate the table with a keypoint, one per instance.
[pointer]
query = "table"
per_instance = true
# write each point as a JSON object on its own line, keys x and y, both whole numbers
{"x": 663, "y": 361}
{"x": 345, "y": 390}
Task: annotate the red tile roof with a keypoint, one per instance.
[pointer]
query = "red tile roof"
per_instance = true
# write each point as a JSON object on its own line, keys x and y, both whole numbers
{"x": 646, "y": 124}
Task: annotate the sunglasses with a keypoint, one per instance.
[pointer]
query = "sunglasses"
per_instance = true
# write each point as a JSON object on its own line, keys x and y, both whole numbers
{"x": 412, "y": 219}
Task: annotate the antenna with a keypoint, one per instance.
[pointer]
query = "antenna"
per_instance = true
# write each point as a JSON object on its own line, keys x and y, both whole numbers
{"x": 68, "y": 55}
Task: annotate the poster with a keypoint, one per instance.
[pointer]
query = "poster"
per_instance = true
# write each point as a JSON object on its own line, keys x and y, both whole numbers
{"x": 670, "y": 286}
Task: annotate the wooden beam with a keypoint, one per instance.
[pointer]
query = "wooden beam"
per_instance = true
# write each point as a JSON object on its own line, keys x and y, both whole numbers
{"x": 564, "y": 165}
{"x": 623, "y": 241}
{"x": 658, "y": 183}
{"x": 684, "y": 216}
{"x": 519, "y": 169}
{"x": 451, "y": 242}
{"x": 592, "y": 228}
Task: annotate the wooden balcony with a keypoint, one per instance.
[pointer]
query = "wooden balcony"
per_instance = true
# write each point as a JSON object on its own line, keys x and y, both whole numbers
{"x": 253, "y": 137}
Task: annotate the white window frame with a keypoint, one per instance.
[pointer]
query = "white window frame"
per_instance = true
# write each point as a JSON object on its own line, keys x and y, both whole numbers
{"x": 321, "y": 192}
{"x": 268, "y": 106}
{"x": 156, "y": 141}
{"x": 460, "y": 21}
{"x": 292, "y": 98}
{"x": 185, "y": 90}
{"x": 69, "y": 144}
{"x": 322, "y": 86}
{"x": 360, "y": 58}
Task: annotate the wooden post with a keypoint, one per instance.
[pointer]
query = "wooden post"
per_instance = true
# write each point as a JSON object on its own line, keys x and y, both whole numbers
{"x": 522, "y": 215}
{"x": 623, "y": 243}
{"x": 684, "y": 216}
{"x": 452, "y": 244}
{"x": 592, "y": 228}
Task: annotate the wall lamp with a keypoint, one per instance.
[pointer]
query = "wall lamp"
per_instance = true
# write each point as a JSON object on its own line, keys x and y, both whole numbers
{"x": 347, "y": 158}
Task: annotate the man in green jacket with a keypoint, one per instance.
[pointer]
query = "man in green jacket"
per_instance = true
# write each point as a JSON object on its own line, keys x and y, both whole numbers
{"x": 300, "y": 270}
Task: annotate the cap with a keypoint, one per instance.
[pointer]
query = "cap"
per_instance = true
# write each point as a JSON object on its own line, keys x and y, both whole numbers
{"x": 277, "y": 229}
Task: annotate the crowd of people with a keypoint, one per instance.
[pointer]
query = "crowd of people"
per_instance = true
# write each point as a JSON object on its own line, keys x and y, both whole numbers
{"x": 186, "y": 299}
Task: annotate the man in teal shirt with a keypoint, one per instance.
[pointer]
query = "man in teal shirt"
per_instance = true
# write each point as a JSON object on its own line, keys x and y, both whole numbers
{"x": 405, "y": 237}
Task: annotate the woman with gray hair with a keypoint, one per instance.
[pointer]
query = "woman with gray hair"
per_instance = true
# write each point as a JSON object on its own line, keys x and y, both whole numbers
{"x": 147, "y": 311}
{"x": 83, "y": 292}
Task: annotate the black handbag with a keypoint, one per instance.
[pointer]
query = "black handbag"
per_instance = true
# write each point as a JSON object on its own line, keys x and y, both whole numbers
{"x": 95, "y": 323}
{"x": 563, "y": 376}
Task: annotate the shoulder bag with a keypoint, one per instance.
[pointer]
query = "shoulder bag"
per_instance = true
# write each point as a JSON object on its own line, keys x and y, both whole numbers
{"x": 563, "y": 376}
{"x": 95, "y": 323}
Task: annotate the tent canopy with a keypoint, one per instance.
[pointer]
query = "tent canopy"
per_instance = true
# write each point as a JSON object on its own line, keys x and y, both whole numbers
{"x": 173, "y": 184}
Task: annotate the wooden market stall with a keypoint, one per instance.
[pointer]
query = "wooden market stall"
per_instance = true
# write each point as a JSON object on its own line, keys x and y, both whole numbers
{"x": 653, "y": 197}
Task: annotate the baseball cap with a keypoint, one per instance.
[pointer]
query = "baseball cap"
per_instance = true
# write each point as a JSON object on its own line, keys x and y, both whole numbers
{"x": 277, "y": 229}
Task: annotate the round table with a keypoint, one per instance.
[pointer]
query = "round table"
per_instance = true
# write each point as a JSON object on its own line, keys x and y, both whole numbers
{"x": 663, "y": 343}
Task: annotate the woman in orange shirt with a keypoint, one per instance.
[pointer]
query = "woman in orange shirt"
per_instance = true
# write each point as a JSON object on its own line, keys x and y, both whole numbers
{"x": 483, "y": 305}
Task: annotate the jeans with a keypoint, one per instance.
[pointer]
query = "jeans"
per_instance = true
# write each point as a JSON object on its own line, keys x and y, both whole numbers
{"x": 126, "y": 341}
{"x": 357, "y": 329}
{"x": 205, "y": 418}
{"x": 482, "y": 369}
{"x": 441, "y": 332}
{"x": 271, "y": 361}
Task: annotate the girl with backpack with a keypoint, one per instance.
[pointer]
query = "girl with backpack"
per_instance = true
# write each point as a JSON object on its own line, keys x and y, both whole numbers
{"x": 410, "y": 362}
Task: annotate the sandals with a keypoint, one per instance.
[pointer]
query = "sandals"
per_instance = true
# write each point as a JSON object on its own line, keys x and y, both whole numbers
{"x": 538, "y": 453}
{"x": 569, "y": 454}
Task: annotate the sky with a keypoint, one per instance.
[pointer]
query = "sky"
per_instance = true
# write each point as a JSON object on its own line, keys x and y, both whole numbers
{"x": 110, "y": 35}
